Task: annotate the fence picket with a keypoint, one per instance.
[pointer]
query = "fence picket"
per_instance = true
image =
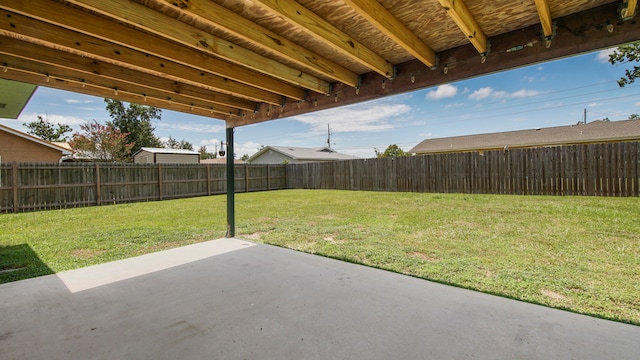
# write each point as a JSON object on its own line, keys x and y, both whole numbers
{"x": 39, "y": 186}
{"x": 593, "y": 169}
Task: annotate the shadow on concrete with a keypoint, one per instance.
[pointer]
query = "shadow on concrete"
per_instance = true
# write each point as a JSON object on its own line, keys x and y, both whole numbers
{"x": 19, "y": 262}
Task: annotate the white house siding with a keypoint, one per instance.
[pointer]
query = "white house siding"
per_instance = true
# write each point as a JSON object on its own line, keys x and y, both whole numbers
{"x": 145, "y": 157}
{"x": 272, "y": 157}
{"x": 177, "y": 159}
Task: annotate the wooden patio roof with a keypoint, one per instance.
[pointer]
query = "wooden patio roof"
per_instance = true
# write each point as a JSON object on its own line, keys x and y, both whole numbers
{"x": 247, "y": 61}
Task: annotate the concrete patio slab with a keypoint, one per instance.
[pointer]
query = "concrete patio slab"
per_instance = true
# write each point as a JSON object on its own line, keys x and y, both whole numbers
{"x": 233, "y": 299}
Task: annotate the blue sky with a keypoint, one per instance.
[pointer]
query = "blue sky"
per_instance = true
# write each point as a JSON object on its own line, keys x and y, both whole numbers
{"x": 543, "y": 95}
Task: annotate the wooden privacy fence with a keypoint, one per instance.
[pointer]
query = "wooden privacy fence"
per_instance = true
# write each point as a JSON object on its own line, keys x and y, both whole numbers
{"x": 598, "y": 169}
{"x": 36, "y": 186}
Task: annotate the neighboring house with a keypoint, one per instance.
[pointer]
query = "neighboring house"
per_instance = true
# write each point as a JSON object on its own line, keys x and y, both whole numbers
{"x": 594, "y": 132}
{"x": 293, "y": 155}
{"x": 219, "y": 161}
{"x": 166, "y": 156}
{"x": 87, "y": 156}
{"x": 22, "y": 147}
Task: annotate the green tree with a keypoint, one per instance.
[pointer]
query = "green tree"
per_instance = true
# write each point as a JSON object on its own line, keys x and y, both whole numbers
{"x": 102, "y": 142}
{"x": 136, "y": 121}
{"x": 392, "y": 150}
{"x": 45, "y": 130}
{"x": 172, "y": 143}
{"x": 634, "y": 117}
{"x": 626, "y": 54}
{"x": 204, "y": 154}
{"x": 245, "y": 157}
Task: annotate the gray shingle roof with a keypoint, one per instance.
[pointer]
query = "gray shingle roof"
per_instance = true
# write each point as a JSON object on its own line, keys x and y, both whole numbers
{"x": 167, "y": 151}
{"x": 594, "y": 132}
{"x": 303, "y": 154}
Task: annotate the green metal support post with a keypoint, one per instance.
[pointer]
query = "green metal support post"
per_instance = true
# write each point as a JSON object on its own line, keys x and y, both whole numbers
{"x": 231, "y": 181}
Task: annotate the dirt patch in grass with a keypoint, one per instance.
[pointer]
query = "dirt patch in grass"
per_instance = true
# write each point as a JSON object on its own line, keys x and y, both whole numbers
{"x": 254, "y": 236}
{"x": 553, "y": 295}
{"x": 331, "y": 238}
{"x": 423, "y": 256}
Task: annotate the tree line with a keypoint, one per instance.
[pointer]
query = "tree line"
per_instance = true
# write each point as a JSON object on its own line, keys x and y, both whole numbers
{"x": 130, "y": 129}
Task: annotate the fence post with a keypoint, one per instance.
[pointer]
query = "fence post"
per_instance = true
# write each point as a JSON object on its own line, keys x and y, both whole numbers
{"x": 14, "y": 179}
{"x": 208, "y": 179}
{"x": 246, "y": 177}
{"x": 268, "y": 178}
{"x": 98, "y": 196}
{"x": 160, "y": 181}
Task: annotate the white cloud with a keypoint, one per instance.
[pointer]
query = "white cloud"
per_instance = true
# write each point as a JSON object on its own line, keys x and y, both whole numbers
{"x": 454, "y": 105}
{"x": 378, "y": 116}
{"x": 210, "y": 143}
{"x": 53, "y": 118}
{"x": 442, "y": 92}
{"x": 524, "y": 93}
{"x": 209, "y": 128}
{"x": 76, "y": 101}
{"x": 637, "y": 104}
{"x": 594, "y": 104}
{"x": 603, "y": 55}
{"x": 486, "y": 92}
{"x": 426, "y": 135}
{"x": 500, "y": 94}
{"x": 249, "y": 148}
{"x": 481, "y": 93}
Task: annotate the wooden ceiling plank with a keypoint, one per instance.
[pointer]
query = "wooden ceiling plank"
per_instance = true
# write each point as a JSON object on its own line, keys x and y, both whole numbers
{"x": 545, "y": 17}
{"x": 461, "y": 15}
{"x": 88, "y": 89}
{"x": 222, "y": 18}
{"x": 322, "y": 30}
{"x": 162, "y": 25}
{"x": 13, "y": 25}
{"x": 412, "y": 76}
{"x": 224, "y": 74}
{"x": 388, "y": 24}
{"x": 47, "y": 61}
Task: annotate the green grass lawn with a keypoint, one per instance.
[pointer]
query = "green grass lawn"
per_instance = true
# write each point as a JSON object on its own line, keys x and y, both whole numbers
{"x": 575, "y": 253}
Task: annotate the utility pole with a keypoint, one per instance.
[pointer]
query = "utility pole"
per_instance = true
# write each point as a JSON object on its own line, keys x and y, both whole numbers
{"x": 328, "y": 136}
{"x": 585, "y": 116}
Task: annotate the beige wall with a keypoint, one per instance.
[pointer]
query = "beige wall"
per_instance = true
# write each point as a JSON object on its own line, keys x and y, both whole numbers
{"x": 145, "y": 157}
{"x": 15, "y": 148}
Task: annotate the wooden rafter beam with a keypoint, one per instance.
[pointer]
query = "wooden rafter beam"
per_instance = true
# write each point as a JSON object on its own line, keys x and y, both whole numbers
{"x": 545, "y": 17}
{"x": 93, "y": 90}
{"x": 388, "y": 24}
{"x": 322, "y": 30}
{"x": 461, "y": 15}
{"x": 576, "y": 34}
{"x": 107, "y": 35}
{"x": 164, "y": 26}
{"x": 226, "y": 20}
{"x": 37, "y": 59}
{"x": 16, "y": 25}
